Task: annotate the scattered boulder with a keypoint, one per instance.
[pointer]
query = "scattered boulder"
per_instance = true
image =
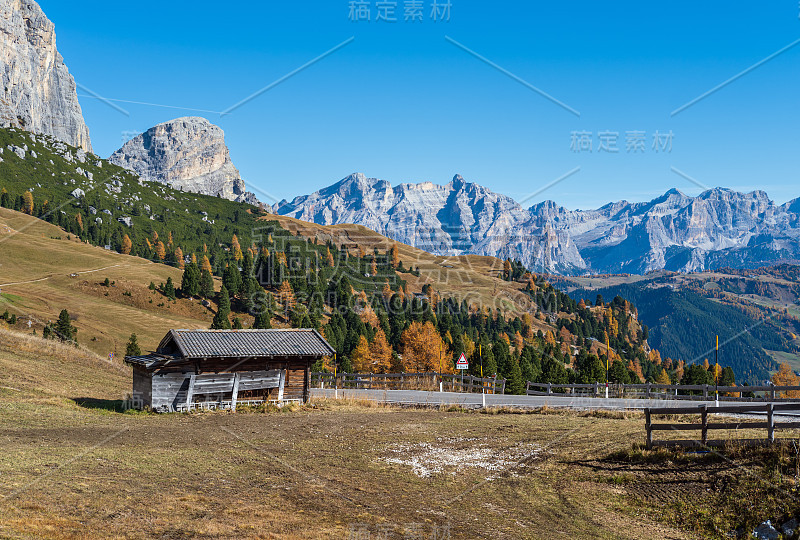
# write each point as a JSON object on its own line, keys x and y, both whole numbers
{"x": 126, "y": 221}
{"x": 766, "y": 531}
{"x": 789, "y": 528}
{"x": 78, "y": 193}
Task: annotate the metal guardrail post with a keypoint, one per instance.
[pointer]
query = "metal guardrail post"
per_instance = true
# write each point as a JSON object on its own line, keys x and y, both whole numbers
{"x": 705, "y": 395}
{"x": 549, "y": 389}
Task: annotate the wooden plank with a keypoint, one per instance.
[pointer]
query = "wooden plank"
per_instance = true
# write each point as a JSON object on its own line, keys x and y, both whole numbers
{"x": 676, "y": 427}
{"x": 280, "y": 384}
{"x": 737, "y": 425}
{"x": 190, "y": 391}
{"x": 235, "y": 392}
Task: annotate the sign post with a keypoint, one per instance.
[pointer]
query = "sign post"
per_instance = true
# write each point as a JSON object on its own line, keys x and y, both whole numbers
{"x": 462, "y": 364}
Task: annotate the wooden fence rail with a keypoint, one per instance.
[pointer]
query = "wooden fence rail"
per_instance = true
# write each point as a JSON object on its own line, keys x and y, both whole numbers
{"x": 409, "y": 381}
{"x": 770, "y": 409}
{"x": 662, "y": 391}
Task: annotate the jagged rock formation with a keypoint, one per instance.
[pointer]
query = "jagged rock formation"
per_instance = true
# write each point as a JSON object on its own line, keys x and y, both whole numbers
{"x": 186, "y": 153}
{"x": 38, "y": 91}
{"x": 675, "y": 232}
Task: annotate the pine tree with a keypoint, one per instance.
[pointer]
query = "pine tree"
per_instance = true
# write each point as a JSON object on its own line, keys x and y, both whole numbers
{"x": 132, "y": 349}
{"x": 190, "y": 284}
{"x": 169, "y": 289}
{"x": 395, "y": 256}
{"x": 232, "y": 279}
{"x": 264, "y": 315}
{"x": 221, "y": 319}
{"x": 206, "y": 284}
{"x": 515, "y": 384}
{"x": 64, "y": 328}
{"x": 5, "y": 200}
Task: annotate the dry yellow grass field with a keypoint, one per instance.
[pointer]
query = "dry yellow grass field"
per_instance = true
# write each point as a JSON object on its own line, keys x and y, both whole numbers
{"x": 37, "y": 282}
{"x": 81, "y": 471}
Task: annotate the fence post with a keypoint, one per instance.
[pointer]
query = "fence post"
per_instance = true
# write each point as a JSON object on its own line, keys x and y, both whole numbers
{"x": 771, "y": 422}
{"x": 704, "y": 433}
{"x": 527, "y": 387}
{"x": 549, "y": 388}
{"x": 596, "y": 389}
{"x": 705, "y": 393}
{"x": 772, "y": 392}
{"x": 648, "y": 391}
{"x": 649, "y": 428}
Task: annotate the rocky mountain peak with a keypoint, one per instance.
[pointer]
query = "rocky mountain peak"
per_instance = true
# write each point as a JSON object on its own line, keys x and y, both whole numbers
{"x": 39, "y": 93}
{"x": 186, "y": 153}
{"x": 673, "y": 231}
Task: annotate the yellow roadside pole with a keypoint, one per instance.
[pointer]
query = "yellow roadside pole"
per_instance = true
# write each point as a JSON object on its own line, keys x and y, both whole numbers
{"x": 716, "y": 373}
{"x": 608, "y": 356}
{"x": 483, "y": 384}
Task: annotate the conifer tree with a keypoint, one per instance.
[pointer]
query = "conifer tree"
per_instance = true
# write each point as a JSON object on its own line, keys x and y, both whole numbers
{"x": 221, "y": 319}
{"x": 190, "y": 283}
{"x": 64, "y": 328}
{"x": 206, "y": 284}
{"x": 132, "y": 349}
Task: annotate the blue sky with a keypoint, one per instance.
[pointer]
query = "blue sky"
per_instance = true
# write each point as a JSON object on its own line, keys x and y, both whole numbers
{"x": 402, "y": 103}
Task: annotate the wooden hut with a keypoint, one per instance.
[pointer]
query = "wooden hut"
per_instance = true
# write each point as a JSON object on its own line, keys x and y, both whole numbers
{"x": 218, "y": 369}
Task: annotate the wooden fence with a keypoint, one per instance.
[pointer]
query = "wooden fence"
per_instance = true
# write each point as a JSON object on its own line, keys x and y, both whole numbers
{"x": 703, "y": 392}
{"x": 704, "y": 425}
{"x": 409, "y": 381}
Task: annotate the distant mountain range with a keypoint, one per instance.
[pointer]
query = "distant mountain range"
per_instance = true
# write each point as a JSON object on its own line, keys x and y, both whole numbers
{"x": 674, "y": 232}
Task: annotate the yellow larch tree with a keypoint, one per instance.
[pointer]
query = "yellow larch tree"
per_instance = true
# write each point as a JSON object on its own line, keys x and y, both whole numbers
{"x": 127, "y": 245}
{"x": 381, "y": 353}
{"x": 360, "y": 358}
{"x": 786, "y": 377}
{"x": 663, "y": 377}
{"x": 236, "y": 249}
{"x": 424, "y": 350}
{"x": 27, "y": 203}
{"x": 206, "y": 264}
{"x": 179, "y": 257}
{"x": 161, "y": 252}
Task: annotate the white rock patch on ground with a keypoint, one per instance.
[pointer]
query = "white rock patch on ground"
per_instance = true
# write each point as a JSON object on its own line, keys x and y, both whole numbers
{"x": 449, "y": 456}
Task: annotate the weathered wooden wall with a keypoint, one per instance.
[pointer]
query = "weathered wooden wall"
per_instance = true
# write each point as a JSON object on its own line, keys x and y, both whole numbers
{"x": 142, "y": 386}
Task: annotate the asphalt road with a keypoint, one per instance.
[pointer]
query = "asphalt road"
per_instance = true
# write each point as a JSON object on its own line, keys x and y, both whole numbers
{"x": 420, "y": 397}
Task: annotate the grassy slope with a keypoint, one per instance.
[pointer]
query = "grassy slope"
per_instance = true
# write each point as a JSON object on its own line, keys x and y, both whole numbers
{"x": 468, "y": 277}
{"x": 35, "y": 281}
{"x": 69, "y": 471}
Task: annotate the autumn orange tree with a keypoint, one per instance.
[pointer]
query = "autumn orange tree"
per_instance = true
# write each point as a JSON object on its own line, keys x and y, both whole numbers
{"x": 424, "y": 350}
{"x": 27, "y": 203}
{"x": 381, "y": 353}
{"x": 161, "y": 251}
{"x": 360, "y": 358}
{"x": 786, "y": 377}
{"x": 127, "y": 245}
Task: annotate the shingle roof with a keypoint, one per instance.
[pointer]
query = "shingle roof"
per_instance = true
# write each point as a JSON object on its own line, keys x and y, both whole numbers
{"x": 152, "y": 362}
{"x": 246, "y": 343}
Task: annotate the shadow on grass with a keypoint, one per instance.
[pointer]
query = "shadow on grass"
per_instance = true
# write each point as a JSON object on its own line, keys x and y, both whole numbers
{"x": 111, "y": 405}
